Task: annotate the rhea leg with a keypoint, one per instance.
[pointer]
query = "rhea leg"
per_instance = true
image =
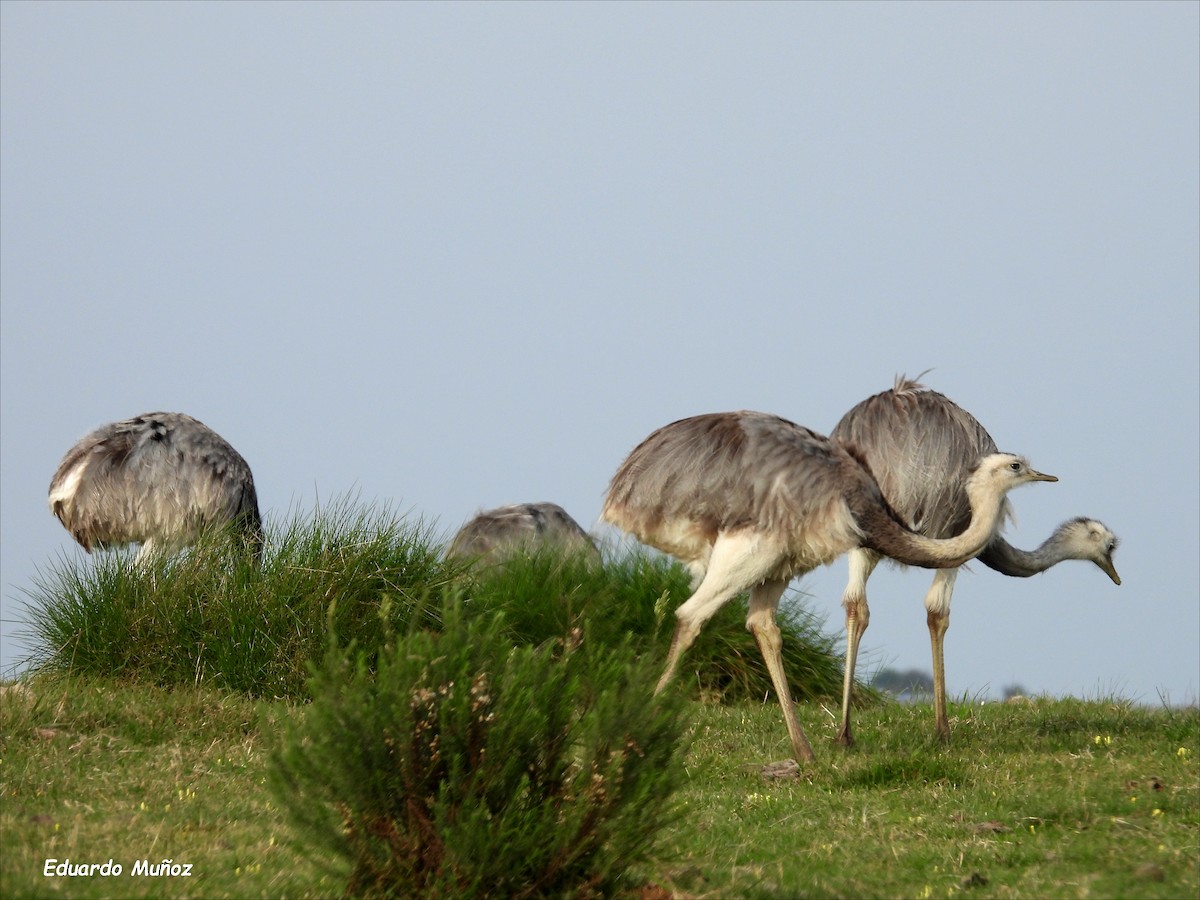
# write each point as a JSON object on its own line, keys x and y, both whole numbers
{"x": 858, "y": 616}
{"x": 145, "y": 556}
{"x": 937, "y": 607}
{"x": 764, "y": 601}
{"x": 735, "y": 564}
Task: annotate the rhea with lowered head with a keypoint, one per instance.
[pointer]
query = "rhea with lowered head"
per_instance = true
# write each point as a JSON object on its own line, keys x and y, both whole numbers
{"x": 158, "y": 479}
{"x": 749, "y": 500}
{"x": 921, "y": 446}
{"x": 493, "y": 534}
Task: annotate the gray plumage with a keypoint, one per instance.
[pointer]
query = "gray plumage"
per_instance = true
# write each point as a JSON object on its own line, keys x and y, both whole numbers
{"x": 1078, "y": 538}
{"x": 921, "y": 447}
{"x": 158, "y": 479}
{"x": 495, "y": 533}
{"x": 749, "y": 500}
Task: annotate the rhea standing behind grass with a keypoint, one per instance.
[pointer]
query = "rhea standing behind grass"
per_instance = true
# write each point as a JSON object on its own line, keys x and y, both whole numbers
{"x": 159, "y": 479}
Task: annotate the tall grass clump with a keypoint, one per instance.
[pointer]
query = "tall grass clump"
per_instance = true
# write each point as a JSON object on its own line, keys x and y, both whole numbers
{"x": 452, "y": 763}
{"x": 544, "y": 594}
{"x": 212, "y": 615}
{"x": 353, "y": 574}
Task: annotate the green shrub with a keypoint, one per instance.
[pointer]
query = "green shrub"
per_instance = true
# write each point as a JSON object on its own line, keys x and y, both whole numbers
{"x": 453, "y": 764}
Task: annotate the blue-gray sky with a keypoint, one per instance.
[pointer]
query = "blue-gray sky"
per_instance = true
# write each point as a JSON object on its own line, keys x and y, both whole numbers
{"x": 451, "y": 256}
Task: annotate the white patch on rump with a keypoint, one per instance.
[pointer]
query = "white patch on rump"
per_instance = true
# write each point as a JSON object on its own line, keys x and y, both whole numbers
{"x": 65, "y": 492}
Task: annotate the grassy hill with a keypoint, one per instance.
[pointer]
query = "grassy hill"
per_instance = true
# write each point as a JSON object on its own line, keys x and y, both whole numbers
{"x": 1047, "y": 798}
{"x": 147, "y": 736}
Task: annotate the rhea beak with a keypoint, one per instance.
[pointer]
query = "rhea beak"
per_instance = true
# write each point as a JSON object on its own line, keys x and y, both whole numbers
{"x": 1110, "y": 570}
{"x": 1042, "y": 476}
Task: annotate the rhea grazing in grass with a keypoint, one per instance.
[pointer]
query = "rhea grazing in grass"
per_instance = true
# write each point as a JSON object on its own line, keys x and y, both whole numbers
{"x": 749, "y": 500}
{"x": 921, "y": 446}
{"x": 158, "y": 479}
{"x": 494, "y": 533}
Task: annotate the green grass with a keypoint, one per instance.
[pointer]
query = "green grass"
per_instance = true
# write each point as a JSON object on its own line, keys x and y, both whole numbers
{"x": 1049, "y": 798}
{"x": 543, "y": 596}
{"x": 160, "y": 698}
{"x": 94, "y": 769}
{"x": 206, "y": 617}
{"x": 355, "y": 575}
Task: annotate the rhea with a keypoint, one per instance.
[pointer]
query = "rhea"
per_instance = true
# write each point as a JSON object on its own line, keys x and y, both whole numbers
{"x": 158, "y": 479}
{"x": 920, "y": 446}
{"x": 496, "y": 533}
{"x": 749, "y": 500}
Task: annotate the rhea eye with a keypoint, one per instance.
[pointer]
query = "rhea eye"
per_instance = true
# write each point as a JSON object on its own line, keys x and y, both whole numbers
{"x": 1015, "y": 466}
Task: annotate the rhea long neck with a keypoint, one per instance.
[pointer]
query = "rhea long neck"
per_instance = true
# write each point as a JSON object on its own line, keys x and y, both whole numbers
{"x": 884, "y": 533}
{"x": 1006, "y": 559}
